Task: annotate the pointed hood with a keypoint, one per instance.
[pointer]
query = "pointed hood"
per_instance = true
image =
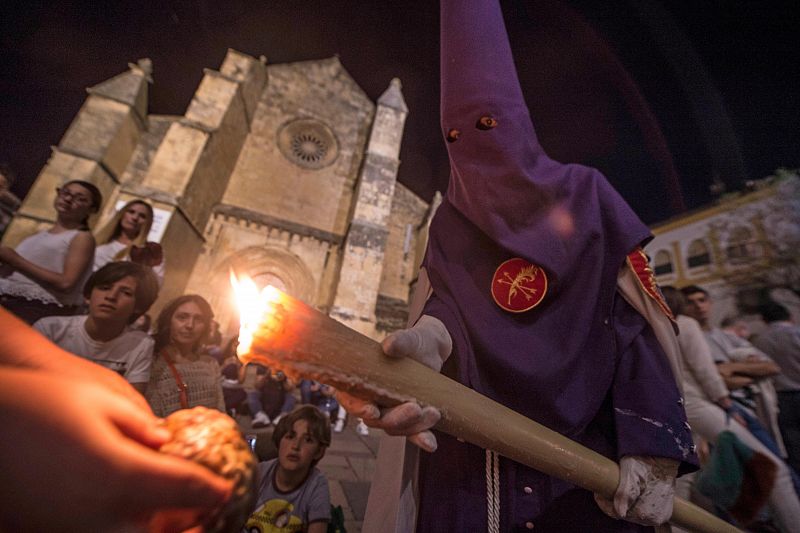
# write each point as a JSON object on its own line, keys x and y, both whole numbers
{"x": 501, "y": 180}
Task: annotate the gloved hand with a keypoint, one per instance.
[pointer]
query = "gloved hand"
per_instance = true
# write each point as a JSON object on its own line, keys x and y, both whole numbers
{"x": 429, "y": 343}
{"x": 645, "y": 491}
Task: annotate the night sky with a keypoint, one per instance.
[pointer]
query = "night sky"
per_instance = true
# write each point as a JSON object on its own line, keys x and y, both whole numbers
{"x": 660, "y": 95}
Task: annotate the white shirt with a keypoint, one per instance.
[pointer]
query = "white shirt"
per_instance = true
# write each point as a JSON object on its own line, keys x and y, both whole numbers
{"x": 130, "y": 354}
{"x": 49, "y": 251}
{"x": 781, "y": 341}
{"x": 701, "y": 379}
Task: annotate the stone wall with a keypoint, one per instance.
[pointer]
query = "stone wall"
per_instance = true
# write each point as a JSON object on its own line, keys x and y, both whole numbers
{"x": 301, "y": 159}
{"x": 400, "y": 263}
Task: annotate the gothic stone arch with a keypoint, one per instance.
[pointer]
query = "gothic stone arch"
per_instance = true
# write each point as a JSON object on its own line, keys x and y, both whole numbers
{"x": 266, "y": 265}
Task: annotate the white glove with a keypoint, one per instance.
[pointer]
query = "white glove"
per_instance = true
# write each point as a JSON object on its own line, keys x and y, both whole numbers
{"x": 645, "y": 491}
{"x": 429, "y": 343}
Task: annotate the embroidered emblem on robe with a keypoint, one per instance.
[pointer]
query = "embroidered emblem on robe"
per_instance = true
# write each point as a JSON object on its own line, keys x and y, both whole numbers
{"x": 638, "y": 262}
{"x": 518, "y": 286}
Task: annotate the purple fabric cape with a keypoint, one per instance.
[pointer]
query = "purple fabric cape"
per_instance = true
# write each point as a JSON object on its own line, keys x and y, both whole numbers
{"x": 583, "y": 362}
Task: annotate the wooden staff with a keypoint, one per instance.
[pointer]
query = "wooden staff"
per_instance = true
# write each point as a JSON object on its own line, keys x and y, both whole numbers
{"x": 302, "y": 342}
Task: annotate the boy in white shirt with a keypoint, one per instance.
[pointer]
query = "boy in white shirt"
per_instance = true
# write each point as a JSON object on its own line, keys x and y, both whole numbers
{"x": 117, "y": 294}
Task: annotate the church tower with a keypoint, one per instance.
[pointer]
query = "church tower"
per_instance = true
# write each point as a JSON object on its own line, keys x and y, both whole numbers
{"x": 365, "y": 245}
{"x": 96, "y": 148}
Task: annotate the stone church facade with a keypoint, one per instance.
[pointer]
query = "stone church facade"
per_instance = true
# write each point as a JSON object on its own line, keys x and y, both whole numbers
{"x": 286, "y": 173}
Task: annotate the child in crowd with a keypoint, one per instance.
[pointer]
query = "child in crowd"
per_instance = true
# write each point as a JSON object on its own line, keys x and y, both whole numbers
{"x": 252, "y": 378}
{"x": 322, "y": 397}
{"x": 293, "y": 494}
{"x": 268, "y": 394}
{"x": 277, "y": 395}
{"x": 117, "y": 295}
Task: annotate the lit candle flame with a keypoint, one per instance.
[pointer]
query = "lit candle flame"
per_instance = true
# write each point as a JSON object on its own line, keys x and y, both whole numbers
{"x": 254, "y": 308}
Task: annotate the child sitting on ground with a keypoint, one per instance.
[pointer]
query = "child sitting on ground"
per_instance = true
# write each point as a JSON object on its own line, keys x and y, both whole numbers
{"x": 292, "y": 493}
{"x": 253, "y": 378}
{"x": 117, "y": 294}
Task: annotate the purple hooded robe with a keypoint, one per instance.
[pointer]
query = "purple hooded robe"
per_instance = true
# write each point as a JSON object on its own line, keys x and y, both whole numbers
{"x": 583, "y": 362}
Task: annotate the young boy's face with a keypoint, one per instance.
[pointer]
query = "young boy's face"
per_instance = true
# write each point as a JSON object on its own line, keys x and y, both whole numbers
{"x": 113, "y": 302}
{"x": 298, "y": 448}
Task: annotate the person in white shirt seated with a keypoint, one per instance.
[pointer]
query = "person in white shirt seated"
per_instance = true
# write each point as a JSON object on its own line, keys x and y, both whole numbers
{"x": 117, "y": 295}
{"x": 124, "y": 238}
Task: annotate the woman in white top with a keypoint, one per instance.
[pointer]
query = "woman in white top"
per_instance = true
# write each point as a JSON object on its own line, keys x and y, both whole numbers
{"x": 45, "y": 273}
{"x": 183, "y": 375}
{"x": 124, "y": 238}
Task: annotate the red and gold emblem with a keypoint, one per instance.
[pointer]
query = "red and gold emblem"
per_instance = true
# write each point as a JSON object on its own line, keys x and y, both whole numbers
{"x": 637, "y": 261}
{"x": 518, "y": 286}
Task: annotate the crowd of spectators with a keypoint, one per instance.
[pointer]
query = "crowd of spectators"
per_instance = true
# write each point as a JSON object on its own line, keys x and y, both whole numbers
{"x": 730, "y": 386}
{"x": 89, "y": 293}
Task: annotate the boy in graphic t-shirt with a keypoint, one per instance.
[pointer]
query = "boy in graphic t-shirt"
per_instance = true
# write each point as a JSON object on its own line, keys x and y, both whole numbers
{"x": 292, "y": 493}
{"x": 117, "y": 294}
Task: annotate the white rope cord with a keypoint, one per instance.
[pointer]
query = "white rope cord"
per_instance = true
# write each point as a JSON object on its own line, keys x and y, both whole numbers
{"x": 492, "y": 491}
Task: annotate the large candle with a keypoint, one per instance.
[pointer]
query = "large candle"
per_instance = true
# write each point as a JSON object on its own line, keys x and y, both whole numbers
{"x": 285, "y": 334}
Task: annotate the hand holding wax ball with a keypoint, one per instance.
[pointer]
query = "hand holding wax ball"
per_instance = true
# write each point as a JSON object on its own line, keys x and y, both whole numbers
{"x": 212, "y": 439}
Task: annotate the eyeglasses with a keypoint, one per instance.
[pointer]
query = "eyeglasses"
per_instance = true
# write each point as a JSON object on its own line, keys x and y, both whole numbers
{"x": 73, "y": 196}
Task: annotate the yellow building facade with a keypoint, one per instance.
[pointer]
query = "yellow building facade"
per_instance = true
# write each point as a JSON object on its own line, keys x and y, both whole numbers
{"x": 738, "y": 248}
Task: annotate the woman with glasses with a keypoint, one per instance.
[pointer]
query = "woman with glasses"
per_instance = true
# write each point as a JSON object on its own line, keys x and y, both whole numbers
{"x": 44, "y": 275}
{"x": 124, "y": 238}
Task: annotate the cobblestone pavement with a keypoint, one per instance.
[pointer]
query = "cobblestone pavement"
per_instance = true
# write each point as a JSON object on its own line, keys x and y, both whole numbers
{"x": 348, "y": 464}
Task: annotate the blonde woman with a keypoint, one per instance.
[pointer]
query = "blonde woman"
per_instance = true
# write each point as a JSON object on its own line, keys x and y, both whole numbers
{"x": 124, "y": 238}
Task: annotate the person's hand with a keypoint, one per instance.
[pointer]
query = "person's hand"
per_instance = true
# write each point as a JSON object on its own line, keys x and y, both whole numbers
{"x": 150, "y": 254}
{"x": 645, "y": 492}
{"x": 726, "y": 370}
{"x": 726, "y": 403}
{"x": 97, "y": 449}
{"x": 734, "y": 382}
{"x": 6, "y": 256}
{"x": 81, "y": 369}
{"x": 429, "y": 343}
{"x": 6, "y": 253}
{"x": 703, "y": 451}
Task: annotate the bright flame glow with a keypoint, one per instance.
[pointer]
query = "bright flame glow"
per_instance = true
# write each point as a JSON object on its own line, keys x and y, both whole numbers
{"x": 254, "y": 308}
